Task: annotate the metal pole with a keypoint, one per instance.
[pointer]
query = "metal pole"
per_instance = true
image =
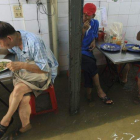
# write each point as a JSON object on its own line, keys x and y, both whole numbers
{"x": 75, "y": 31}
{"x": 52, "y": 6}
{"x": 54, "y": 12}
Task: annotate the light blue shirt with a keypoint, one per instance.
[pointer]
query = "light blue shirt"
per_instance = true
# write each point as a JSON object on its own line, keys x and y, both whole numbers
{"x": 35, "y": 50}
{"x": 89, "y": 36}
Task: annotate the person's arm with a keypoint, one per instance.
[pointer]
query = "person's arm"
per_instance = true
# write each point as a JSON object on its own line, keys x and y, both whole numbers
{"x": 15, "y": 66}
{"x": 85, "y": 28}
{"x": 4, "y": 51}
{"x": 32, "y": 68}
{"x": 138, "y": 36}
{"x": 40, "y": 58}
{"x": 83, "y": 34}
{"x": 93, "y": 43}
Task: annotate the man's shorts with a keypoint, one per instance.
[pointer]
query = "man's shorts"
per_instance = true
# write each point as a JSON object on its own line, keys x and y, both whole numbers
{"x": 90, "y": 70}
{"x": 35, "y": 92}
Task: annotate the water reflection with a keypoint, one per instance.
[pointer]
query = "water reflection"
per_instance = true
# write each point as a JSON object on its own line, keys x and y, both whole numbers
{"x": 130, "y": 137}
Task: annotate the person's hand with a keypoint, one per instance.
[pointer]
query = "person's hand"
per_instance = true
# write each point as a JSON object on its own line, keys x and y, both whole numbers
{"x": 86, "y": 26}
{"x": 92, "y": 45}
{"x": 15, "y": 66}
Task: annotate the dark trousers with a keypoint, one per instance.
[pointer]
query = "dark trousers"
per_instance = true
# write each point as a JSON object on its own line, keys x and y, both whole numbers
{"x": 90, "y": 70}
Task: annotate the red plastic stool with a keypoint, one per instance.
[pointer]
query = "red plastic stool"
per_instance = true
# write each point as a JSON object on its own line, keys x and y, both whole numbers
{"x": 51, "y": 92}
{"x": 136, "y": 78}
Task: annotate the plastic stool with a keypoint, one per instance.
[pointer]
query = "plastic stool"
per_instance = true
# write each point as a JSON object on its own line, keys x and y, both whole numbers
{"x": 51, "y": 92}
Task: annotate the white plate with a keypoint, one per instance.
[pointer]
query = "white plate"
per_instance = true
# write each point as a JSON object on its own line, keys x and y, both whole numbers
{"x": 4, "y": 60}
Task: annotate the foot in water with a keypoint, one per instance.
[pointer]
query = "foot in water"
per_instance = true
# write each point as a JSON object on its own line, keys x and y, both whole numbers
{"x": 104, "y": 98}
{"x": 90, "y": 100}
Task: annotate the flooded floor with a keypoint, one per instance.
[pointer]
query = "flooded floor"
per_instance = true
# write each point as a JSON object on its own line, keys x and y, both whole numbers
{"x": 120, "y": 121}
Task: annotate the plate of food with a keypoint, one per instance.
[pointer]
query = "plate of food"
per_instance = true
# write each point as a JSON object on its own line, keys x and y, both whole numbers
{"x": 133, "y": 48}
{"x": 3, "y": 63}
{"x": 110, "y": 47}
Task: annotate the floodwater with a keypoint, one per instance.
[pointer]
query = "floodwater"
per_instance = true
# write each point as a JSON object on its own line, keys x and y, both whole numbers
{"x": 120, "y": 121}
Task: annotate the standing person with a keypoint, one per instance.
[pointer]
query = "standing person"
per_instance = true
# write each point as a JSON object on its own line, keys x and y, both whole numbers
{"x": 26, "y": 46}
{"x": 89, "y": 33}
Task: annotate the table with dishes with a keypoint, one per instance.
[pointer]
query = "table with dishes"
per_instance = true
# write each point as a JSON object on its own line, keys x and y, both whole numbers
{"x": 115, "y": 55}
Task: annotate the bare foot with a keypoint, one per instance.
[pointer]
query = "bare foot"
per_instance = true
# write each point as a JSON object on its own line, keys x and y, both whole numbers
{"x": 124, "y": 80}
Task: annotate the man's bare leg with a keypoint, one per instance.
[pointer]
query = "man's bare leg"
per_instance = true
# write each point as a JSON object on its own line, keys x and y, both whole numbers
{"x": 25, "y": 111}
{"x": 89, "y": 90}
{"x": 18, "y": 92}
{"x": 10, "y": 98}
{"x": 89, "y": 97}
{"x": 137, "y": 98}
{"x": 125, "y": 73}
{"x": 100, "y": 92}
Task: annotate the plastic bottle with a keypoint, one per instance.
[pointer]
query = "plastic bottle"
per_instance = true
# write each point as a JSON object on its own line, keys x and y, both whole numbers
{"x": 111, "y": 39}
{"x": 119, "y": 41}
{"x": 124, "y": 49}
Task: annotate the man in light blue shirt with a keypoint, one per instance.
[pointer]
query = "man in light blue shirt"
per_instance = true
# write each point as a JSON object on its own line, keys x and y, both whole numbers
{"x": 35, "y": 49}
{"x": 26, "y": 46}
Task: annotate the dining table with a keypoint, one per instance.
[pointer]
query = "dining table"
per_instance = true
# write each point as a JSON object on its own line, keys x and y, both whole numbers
{"x": 114, "y": 58}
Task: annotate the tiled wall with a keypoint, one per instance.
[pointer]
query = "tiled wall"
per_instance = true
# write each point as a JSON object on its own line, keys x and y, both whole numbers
{"x": 127, "y": 12}
{"x": 63, "y": 34}
{"x": 29, "y": 22}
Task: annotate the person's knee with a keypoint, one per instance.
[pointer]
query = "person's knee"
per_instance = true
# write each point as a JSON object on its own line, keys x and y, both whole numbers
{"x": 17, "y": 91}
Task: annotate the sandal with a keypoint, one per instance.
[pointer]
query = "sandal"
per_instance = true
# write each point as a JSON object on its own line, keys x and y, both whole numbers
{"x": 3, "y": 129}
{"x": 105, "y": 99}
{"x": 19, "y": 132}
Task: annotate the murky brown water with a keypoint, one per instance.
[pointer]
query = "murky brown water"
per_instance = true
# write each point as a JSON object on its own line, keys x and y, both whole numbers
{"x": 120, "y": 121}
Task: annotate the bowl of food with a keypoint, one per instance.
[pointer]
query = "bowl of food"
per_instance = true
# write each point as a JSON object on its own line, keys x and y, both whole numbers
{"x": 3, "y": 64}
{"x": 133, "y": 48}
